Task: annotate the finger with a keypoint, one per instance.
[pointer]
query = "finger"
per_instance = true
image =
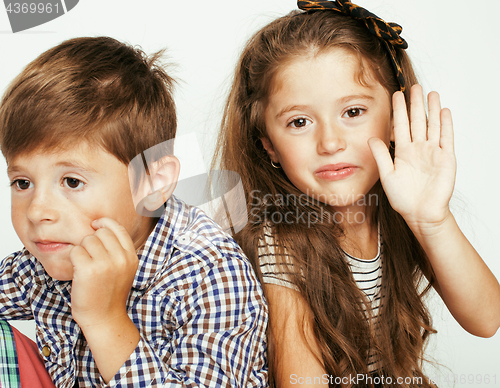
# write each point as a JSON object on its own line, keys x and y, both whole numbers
{"x": 94, "y": 247}
{"x": 382, "y": 157}
{"x": 79, "y": 257}
{"x": 109, "y": 241}
{"x": 447, "y": 137}
{"x": 418, "y": 120}
{"x": 434, "y": 124}
{"x": 119, "y": 231}
{"x": 401, "y": 124}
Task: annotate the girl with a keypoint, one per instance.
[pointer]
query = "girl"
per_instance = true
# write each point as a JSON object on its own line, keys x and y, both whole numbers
{"x": 348, "y": 200}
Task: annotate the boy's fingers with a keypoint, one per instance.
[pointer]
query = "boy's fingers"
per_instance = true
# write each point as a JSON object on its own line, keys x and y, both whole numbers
{"x": 94, "y": 247}
{"x": 434, "y": 125}
{"x": 79, "y": 256}
{"x": 382, "y": 157}
{"x": 401, "y": 124}
{"x": 118, "y": 230}
{"x": 418, "y": 121}
{"x": 108, "y": 241}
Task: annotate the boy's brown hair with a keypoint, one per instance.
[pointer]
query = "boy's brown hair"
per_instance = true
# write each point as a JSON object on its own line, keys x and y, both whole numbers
{"x": 99, "y": 90}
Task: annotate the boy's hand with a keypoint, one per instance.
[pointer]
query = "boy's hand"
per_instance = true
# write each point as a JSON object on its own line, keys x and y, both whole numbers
{"x": 419, "y": 183}
{"x": 104, "y": 267}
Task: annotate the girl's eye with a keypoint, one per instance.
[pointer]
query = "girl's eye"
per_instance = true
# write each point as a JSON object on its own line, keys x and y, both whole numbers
{"x": 73, "y": 183}
{"x": 353, "y": 112}
{"x": 299, "y": 123}
{"x": 22, "y": 184}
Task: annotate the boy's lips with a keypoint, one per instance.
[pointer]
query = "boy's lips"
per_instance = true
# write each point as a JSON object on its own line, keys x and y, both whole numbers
{"x": 50, "y": 246}
{"x": 334, "y": 172}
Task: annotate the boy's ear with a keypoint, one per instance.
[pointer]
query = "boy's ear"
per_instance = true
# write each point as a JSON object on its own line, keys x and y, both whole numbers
{"x": 268, "y": 146}
{"x": 164, "y": 174}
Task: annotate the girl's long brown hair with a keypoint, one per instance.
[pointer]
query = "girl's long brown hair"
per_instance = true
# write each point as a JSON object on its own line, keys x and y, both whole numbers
{"x": 323, "y": 277}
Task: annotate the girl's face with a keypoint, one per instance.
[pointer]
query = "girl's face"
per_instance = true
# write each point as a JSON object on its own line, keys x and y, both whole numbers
{"x": 319, "y": 119}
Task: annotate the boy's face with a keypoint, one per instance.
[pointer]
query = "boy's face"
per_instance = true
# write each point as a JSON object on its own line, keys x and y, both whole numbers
{"x": 56, "y": 196}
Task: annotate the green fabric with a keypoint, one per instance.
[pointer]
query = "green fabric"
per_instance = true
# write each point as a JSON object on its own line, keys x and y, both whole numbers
{"x": 9, "y": 366}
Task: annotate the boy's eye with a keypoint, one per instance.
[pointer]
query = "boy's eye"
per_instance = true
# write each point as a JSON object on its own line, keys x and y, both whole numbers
{"x": 299, "y": 123}
{"x": 73, "y": 183}
{"x": 22, "y": 184}
{"x": 353, "y": 112}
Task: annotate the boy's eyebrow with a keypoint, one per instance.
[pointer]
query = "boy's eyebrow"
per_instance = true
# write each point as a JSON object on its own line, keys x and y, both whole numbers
{"x": 11, "y": 169}
{"x": 76, "y": 164}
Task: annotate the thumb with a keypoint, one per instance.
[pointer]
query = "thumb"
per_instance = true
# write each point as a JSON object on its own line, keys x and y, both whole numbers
{"x": 382, "y": 157}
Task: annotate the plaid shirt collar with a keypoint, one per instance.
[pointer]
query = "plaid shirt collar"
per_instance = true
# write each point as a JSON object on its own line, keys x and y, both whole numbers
{"x": 160, "y": 244}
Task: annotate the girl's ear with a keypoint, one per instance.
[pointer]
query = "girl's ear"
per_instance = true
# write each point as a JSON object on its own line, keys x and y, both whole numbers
{"x": 164, "y": 174}
{"x": 268, "y": 146}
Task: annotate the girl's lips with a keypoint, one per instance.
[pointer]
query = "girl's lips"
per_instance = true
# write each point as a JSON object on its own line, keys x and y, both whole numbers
{"x": 335, "y": 172}
{"x": 51, "y": 246}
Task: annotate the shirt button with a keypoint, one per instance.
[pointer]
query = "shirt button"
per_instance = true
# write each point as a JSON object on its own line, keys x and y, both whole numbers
{"x": 183, "y": 239}
{"x": 46, "y": 351}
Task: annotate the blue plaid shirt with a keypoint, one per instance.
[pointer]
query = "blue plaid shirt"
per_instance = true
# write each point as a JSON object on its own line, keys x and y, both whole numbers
{"x": 195, "y": 300}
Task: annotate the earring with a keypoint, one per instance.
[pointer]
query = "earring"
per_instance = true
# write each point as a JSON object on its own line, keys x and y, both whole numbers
{"x": 275, "y": 166}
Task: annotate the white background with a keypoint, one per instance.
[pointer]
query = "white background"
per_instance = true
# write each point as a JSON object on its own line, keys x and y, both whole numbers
{"x": 455, "y": 49}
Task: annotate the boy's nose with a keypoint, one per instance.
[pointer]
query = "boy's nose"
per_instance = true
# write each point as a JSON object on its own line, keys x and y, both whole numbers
{"x": 42, "y": 208}
{"x": 330, "y": 140}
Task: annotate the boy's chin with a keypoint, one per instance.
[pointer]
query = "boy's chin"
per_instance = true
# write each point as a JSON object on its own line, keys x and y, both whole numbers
{"x": 63, "y": 272}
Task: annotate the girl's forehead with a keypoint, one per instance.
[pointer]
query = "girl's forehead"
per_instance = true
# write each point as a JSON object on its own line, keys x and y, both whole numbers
{"x": 336, "y": 62}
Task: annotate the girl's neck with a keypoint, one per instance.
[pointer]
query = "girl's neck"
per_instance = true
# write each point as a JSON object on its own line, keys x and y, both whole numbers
{"x": 360, "y": 231}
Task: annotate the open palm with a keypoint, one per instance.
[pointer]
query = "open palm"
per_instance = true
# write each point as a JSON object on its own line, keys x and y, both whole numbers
{"x": 419, "y": 183}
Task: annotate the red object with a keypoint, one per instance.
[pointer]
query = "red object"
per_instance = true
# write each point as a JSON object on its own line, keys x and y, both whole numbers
{"x": 31, "y": 366}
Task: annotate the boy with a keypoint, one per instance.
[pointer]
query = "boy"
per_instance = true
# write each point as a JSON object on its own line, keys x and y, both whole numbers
{"x": 119, "y": 299}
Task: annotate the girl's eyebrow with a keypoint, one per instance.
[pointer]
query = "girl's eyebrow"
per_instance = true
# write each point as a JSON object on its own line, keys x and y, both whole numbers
{"x": 289, "y": 108}
{"x": 341, "y": 101}
{"x": 346, "y": 99}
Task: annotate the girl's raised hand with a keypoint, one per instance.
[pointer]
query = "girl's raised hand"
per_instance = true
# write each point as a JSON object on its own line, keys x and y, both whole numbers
{"x": 419, "y": 183}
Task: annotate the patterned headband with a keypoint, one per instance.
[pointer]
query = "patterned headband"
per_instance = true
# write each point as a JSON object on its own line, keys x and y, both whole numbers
{"x": 389, "y": 33}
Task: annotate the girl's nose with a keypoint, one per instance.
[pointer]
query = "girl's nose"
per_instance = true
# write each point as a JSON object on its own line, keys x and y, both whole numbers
{"x": 42, "y": 208}
{"x": 330, "y": 140}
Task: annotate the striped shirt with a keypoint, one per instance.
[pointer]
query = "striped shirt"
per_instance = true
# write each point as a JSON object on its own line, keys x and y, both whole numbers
{"x": 366, "y": 273}
{"x": 195, "y": 299}
{"x": 368, "y": 277}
